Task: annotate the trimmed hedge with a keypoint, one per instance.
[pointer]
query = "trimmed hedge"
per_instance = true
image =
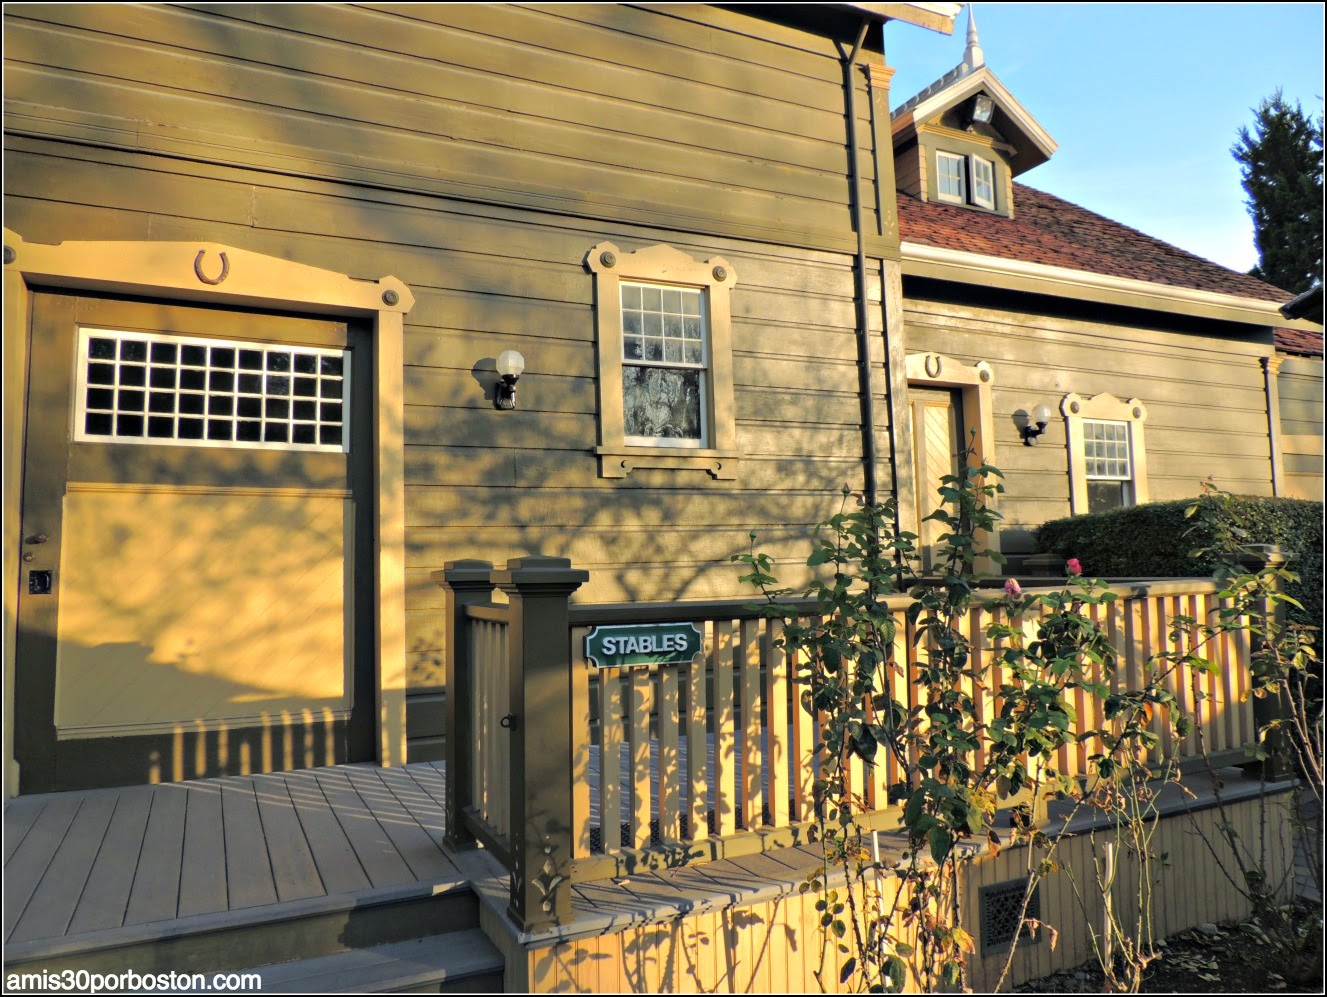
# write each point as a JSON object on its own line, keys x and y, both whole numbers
{"x": 1150, "y": 541}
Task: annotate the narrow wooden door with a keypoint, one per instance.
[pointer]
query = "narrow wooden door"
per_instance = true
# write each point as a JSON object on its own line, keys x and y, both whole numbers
{"x": 937, "y": 440}
{"x": 194, "y": 507}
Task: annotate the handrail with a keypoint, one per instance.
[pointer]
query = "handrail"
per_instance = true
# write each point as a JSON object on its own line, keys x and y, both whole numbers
{"x": 489, "y": 612}
{"x": 753, "y": 609}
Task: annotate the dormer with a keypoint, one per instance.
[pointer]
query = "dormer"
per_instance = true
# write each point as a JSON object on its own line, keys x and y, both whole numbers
{"x": 964, "y": 138}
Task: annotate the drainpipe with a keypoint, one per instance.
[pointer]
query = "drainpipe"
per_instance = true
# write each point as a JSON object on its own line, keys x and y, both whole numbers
{"x": 1270, "y": 367}
{"x": 863, "y": 308}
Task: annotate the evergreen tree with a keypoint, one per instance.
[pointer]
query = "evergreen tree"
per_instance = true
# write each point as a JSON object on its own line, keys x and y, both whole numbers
{"x": 1281, "y": 163}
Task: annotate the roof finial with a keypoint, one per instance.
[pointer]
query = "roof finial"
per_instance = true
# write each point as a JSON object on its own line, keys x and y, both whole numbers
{"x": 973, "y": 56}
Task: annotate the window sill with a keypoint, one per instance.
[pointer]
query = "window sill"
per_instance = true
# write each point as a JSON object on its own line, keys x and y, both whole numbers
{"x": 619, "y": 461}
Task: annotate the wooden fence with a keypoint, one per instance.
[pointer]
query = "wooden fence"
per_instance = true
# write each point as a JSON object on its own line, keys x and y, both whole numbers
{"x": 571, "y": 773}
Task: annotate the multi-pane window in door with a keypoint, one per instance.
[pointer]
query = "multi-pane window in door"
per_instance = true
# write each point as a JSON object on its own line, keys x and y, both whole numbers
{"x": 147, "y": 388}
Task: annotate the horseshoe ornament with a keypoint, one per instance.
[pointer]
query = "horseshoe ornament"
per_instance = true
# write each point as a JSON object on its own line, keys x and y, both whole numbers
{"x": 198, "y": 268}
{"x": 937, "y": 364}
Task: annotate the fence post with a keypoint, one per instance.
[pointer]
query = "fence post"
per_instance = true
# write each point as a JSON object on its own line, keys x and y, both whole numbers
{"x": 466, "y": 583}
{"x": 541, "y": 723}
{"x": 1279, "y": 764}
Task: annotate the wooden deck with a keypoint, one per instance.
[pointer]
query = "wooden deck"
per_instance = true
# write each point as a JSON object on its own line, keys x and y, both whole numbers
{"x": 114, "y": 858}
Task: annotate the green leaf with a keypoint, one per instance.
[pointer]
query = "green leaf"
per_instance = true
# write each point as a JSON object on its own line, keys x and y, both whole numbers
{"x": 913, "y": 811}
{"x": 940, "y": 842}
{"x": 897, "y": 971}
{"x": 848, "y": 969}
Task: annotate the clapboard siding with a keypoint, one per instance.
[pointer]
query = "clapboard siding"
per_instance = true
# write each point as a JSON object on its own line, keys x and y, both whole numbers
{"x": 497, "y": 485}
{"x": 686, "y": 117}
{"x": 1205, "y": 398}
{"x": 1300, "y": 387}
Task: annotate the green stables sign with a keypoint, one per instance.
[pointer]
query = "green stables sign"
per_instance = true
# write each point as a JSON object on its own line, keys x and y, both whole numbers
{"x": 642, "y": 644}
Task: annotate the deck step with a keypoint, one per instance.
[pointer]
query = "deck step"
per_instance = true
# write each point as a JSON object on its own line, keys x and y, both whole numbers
{"x": 458, "y": 961}
{"x": 262, "y": 936}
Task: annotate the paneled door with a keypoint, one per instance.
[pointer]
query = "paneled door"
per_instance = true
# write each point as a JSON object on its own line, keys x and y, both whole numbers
{"x": 196, "y": 500}
{"x": 937, "y": 438}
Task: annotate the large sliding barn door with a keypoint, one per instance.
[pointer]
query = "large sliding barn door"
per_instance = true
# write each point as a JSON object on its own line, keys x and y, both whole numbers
{"x": 194, "y": 510}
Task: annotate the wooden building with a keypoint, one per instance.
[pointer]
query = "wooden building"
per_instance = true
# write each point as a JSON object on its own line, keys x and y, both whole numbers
{"x": 264, "y": 263}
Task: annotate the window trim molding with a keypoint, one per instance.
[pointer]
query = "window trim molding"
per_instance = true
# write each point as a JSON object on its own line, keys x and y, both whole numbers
{"x": 1104, "y": 407}
{"x": 179, "y": 272}
{"x": 662, "y": 264}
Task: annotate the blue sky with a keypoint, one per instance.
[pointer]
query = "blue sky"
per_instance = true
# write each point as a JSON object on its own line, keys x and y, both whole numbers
{"x": 1144, "y": 100}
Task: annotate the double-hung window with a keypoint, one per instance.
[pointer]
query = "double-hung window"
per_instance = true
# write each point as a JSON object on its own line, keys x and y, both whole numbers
{"x": 1109, "y": 469}
{"x": 1107, "y": 452}
{"x": 665, "y": 366}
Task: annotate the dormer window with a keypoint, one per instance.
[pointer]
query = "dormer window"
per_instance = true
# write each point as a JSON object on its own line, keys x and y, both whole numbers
{"x": 951, "y": 178}
{"x": 983, "y": 182}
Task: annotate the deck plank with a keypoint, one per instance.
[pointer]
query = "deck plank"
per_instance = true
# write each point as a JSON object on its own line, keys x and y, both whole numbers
{"x": 24, "y": 872}
{"x": 294, "y": 872}
{"x": 420, "y": 805}
{"x": 420, "y": 852}
{"x": 156, "y": 891}
{"x": 106, "y": 896}
{"x": 249, "y": 881}
{"x": 203, "y": 868}
{"x": 20, "y": 815}
{"x": 334, "y": 856}
{"x": 431, "y": 779}
{"x": 374, "y": 849}
{"x": 56, "y": 897}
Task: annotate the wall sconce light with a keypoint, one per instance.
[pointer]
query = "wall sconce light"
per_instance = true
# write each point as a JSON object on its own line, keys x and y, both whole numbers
{"x": 510, "y": 366}
{"x": 1041, "y": 415}
{"x": 982, "y": 109}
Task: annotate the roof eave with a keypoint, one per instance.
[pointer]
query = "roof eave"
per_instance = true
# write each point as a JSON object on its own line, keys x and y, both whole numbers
{"x": 935, "y": 16}
{"x": 920, "y": 260}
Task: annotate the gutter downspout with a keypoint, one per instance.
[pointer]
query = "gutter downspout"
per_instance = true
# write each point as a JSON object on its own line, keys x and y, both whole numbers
{"x": 1270, "y": 367}
{"x": 869, "y": 455}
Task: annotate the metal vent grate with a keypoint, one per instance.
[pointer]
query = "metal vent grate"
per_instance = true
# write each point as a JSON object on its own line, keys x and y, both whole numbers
{"x": 1000, "y": 906}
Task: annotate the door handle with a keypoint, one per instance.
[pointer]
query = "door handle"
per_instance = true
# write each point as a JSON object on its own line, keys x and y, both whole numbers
{"x": 36, "y": 538}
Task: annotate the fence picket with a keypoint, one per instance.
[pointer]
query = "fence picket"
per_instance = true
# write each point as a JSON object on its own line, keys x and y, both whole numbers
{"x": 776, "y": 723}
{"x": 725, "y": 747}
{"x": 751, "y": 657}
{"x": 610, "y": 764}
{"x": 670, "y": 770}
{"x": 698, "y": 785}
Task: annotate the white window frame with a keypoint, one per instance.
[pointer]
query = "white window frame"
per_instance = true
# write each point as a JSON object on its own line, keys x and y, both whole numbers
{"x": 941, "y": 195}
{"x": 1105, "y": 407}
{"x": 619, "y": 454}
{"x": 975, "y": 181}
{"x": 702, "y": 366}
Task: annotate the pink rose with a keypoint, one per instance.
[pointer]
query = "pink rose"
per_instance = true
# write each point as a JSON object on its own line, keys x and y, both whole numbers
{"x": 1012, "y": 589}
{"x": 1073, "y": 567}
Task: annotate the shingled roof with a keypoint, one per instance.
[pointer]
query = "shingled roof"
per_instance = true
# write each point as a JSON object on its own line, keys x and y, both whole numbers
{"x": 1052, "y": 231}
